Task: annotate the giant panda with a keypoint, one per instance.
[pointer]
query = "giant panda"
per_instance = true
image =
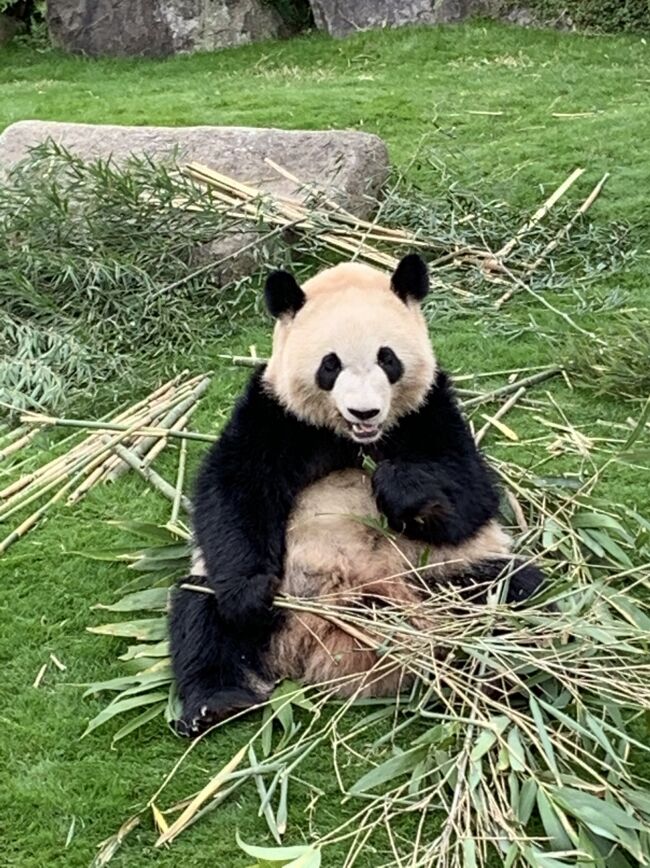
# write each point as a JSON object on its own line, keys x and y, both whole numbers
{"x": 352, "y": 376}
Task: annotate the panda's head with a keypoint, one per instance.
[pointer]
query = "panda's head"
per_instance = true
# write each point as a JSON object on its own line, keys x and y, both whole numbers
{"x": 350, "y": 348}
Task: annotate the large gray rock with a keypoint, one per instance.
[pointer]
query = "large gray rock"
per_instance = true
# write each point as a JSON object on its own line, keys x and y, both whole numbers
{"x": 341, "y": 17}
{"x": 155, "y": 28}
{"x": 350, "y": 167}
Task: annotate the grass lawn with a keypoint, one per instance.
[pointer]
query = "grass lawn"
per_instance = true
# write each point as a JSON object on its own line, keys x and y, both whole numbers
{"x": 498, "y": 102}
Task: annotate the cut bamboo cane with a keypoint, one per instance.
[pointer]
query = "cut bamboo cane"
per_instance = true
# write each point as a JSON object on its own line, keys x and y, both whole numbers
{"x": 539, "y": 215}
{"x": 41, "y": 419}
{"x": 513, "y": 387}
{"x": 182, "y": 410}
{"x": 85, "y": 486}
{"x": 501, "y": 412}
{"x": 18, "y": 444}
{"x": 557, "y": 238}
{"x": 180, "y": 479}
{"x": 150, "y": 456}
{"x": 154, "y": 479}
{"x": 337, "y": 228}
{"x": 129, "y": 414}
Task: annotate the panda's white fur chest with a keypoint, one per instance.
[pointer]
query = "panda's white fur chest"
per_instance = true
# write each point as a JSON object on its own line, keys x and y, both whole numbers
{"x": 338, "y": 552}
{"x": 336, "y": 544}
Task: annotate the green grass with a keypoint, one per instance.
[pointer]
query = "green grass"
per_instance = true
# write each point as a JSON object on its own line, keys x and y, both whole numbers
{"x": 403, "y": 85}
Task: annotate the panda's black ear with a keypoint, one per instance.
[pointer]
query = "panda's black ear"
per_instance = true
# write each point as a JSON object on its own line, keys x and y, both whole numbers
{"x": 282, "y": 294}
{"x": 410, "y": 280}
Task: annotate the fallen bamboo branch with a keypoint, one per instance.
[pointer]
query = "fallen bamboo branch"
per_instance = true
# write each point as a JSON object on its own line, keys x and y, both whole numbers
{"x": 18, "y": 444}
{"x": 514, "y": 387}
{"x": 180, "y": 479}
{"x": 154, "y": 479}
{"x": 539, "y": 215}
{"x": 501, "y": 412}
{"x": 557, "y": 238}
{"x": 55, "y": 421}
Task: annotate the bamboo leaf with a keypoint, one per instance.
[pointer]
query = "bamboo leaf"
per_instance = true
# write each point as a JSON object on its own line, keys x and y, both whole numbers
{"x": 120, "y": 706}
{"x": 153, "y": 598}
{"x": 147, "y": 629}
{"x": 275, "y": 854}
{"x": 148, "y": 649}
{"x": 551, "y": 818}
{"x": 495, "y": 727}
{"x": 603, "y": 817}
{"x": 138, "y": 721}
{"x": 639, "y": 427}
{"x": 161, "y": 823}
{"x": 516, "y": 750}
{"x": 395, "y": 767}
{"x": 527, "y": 800}
{"x": 612, "y": 548}
{"x": 547, "y": 747}
{"x": 469, "y": 853}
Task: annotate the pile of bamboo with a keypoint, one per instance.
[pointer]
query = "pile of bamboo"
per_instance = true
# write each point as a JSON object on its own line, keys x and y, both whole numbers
{"x": 343, "y": 232}
{"x": 336, "y": 228}
{"x": 132, "y": 439}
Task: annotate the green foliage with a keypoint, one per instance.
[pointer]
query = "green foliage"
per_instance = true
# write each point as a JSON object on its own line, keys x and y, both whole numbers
{"x": 92, "y": 255}
{"x": 620, "y": 366}
{"x": 41, "y": 367}
{"x": 600, "y": 15}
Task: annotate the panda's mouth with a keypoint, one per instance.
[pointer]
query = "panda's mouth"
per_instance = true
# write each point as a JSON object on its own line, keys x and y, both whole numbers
{"x": 364, "y": 432}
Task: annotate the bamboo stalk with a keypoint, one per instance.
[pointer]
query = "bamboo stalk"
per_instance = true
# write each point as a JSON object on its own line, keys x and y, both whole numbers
{"x": 85, "y": 486}
{"x": 244, "y": 361}
{"x": 35, "y": 478}
{"x": 501, "y": 412}
{"x": 180, "y": 479}
{"x": 56, "y": 421}
{"x": 149, "y": 457}
{"x": 514, "y": 387}
{"x": 539, "y": 215}
{"x": 154, "y": 479}
{"x": 17, "y": 444}
{"x": 557, "y": 238}
{"x": 33, "y": 519}
{"x": 10, "y": 434}
{"x": 175, "y": 419}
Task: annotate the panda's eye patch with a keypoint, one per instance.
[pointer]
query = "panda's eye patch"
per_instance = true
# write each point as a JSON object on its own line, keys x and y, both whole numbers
{"x": 390, "y": 364}
{"x": 329, "y": 369}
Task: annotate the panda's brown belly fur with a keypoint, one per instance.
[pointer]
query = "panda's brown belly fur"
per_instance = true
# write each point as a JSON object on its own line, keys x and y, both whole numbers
{"x": 334, "y": 553}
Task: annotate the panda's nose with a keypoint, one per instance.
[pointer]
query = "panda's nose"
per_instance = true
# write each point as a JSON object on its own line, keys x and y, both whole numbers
{"x": 363, "y": 415}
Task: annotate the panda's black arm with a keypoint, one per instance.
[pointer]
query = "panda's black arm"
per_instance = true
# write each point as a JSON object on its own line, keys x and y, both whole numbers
{"x": 244, "y": 494}
{"x": 433, "y": 484}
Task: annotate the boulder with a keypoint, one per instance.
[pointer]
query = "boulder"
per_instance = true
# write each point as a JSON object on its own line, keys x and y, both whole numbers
{"x": 156, "y": 28}
{"x": 342, "y": 17}
{"x": 351, "y": 167}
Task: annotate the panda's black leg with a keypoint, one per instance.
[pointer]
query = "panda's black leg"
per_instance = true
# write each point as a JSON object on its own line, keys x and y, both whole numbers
{"x": 218, "y": 671}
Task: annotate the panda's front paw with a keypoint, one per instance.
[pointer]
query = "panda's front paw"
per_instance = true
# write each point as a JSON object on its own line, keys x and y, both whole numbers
{"x": 248, "y": 602}
{"x": 205, "y": 711}
{"x": 406, "y": 500}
